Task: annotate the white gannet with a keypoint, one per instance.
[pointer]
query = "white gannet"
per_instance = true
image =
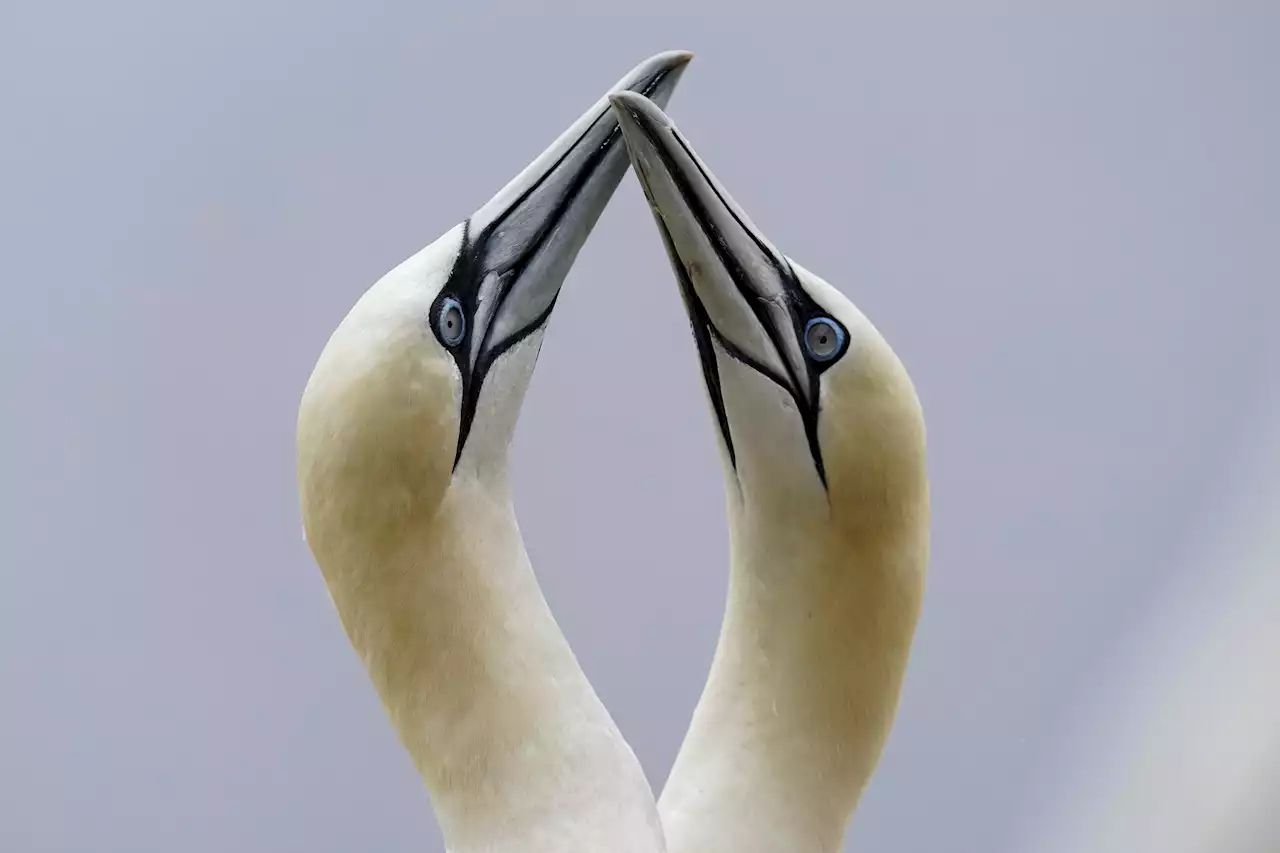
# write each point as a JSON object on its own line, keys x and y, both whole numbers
{"x": 823, "y": 441}
{"x": 403, "y": 432}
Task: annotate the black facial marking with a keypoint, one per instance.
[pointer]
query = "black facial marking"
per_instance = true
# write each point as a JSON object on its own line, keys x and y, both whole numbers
{"x": 700, "y": 323}
{"x": 801, "y": 308}
{"x": 464, "y": 285}
{"x": 473, "y": 265}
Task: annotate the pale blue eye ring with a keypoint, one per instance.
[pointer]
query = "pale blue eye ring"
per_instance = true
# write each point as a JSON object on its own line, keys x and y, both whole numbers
{"x": 823, "y": 338}
{"x": 451, "y": 324}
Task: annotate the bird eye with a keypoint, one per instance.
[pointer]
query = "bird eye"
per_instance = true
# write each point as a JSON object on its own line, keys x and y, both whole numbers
{"x": 823, "y": 338}
{"x": 451, "y": 325}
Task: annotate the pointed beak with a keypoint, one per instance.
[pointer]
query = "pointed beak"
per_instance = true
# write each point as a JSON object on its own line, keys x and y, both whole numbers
{"x": 742, "y": 295}
{"x": 563, "y": 161}
{"x": 518, "y": 247}
{"x": 526, "y": 238}
{"x": 731, "y": 276}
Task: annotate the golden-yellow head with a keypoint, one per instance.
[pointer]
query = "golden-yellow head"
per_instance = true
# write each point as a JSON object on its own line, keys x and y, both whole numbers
{"x": 819, "y": 424}
{"x": 419, "y": 388}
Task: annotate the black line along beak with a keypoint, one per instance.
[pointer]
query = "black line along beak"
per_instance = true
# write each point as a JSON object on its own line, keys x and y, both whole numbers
{"x": 518, "y": 248}
{"x": 739, "y": 290}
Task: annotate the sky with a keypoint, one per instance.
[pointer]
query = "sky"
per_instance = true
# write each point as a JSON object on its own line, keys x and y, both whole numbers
{"x": 1064, "y": 220}
{"x": 1176, "y": 746}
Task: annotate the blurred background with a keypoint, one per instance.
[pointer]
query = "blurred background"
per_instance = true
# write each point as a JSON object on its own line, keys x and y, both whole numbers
{"x": 1064, "y": 219}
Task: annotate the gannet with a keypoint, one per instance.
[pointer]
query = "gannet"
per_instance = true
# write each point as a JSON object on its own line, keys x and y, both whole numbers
{"x": 823, "y": 443}
{"x": 403, "y": 432}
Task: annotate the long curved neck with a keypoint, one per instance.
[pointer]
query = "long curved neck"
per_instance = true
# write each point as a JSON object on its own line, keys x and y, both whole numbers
{"x": 802, "y": 692}
{"x": 516, "y": 749}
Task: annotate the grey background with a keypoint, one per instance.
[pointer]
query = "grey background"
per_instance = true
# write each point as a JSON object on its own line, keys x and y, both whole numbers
{"x": 1063, "y": 219}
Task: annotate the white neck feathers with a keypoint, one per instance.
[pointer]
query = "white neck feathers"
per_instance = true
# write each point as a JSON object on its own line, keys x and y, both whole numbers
{"x": 802, "y": 693}
{"x": 515, "y": 747}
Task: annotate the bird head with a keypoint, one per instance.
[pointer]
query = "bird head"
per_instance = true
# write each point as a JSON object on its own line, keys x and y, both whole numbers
{"x": 818, "y": 422}
{"x": 418, "y": 390}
